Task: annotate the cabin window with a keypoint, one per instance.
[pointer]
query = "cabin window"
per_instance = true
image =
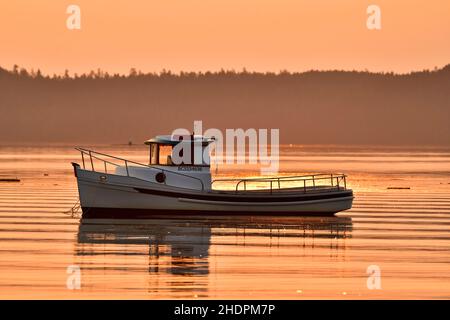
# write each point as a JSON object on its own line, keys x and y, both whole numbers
{"x": 154, "y": 154}
{"x": 165, "y": 154}
{"x": 161, "y": 154}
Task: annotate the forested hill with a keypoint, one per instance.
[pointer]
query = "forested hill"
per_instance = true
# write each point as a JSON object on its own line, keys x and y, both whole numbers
{"x": 315, "y": 107}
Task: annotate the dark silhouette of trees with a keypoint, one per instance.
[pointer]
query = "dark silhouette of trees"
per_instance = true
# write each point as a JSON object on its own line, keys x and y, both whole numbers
{"x": 345, "y": 107}
{"x": 134, "y": 73}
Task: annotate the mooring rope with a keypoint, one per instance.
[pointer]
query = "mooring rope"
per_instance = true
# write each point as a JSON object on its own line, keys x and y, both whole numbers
{"x": 74, "y": 210}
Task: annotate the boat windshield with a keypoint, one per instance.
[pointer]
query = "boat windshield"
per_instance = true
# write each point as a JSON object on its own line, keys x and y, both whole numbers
{"x": 165, "y": 153}
{"x": 161, "y": 154}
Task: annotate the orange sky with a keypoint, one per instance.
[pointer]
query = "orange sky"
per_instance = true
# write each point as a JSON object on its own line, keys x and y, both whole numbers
{"x": 199, "y": 35}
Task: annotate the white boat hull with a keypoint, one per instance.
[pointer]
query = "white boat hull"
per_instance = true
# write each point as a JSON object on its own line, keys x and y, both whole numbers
{"x": 115, "y": 196}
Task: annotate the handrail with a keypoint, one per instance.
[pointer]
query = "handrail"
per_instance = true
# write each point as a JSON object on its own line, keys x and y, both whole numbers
{"x": 304, "y": 178}
{"x": 280, "y": 177}
{"x": 90, "y": 153}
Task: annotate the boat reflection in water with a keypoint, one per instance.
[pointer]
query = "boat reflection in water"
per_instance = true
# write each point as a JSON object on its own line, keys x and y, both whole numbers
{"x": 186, "y": 242}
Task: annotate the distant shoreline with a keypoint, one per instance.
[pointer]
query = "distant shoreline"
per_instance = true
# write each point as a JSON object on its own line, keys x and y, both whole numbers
{"x": 334, "y": 107}
{"x": 136, "y": 73}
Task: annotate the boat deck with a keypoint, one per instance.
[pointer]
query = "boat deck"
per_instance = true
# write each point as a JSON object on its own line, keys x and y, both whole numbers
{"x": 292, "y": 190}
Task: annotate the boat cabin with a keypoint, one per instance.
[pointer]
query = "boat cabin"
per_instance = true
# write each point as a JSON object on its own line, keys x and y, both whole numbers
{"x": 175, "y": 161}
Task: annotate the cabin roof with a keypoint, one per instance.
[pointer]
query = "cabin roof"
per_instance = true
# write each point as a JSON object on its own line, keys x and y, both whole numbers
{"x": 174, "y": 140}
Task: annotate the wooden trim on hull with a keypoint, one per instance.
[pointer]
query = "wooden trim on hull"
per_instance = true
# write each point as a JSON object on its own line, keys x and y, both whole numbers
{"x": 256, "y": 198}
{"x": 119, "y": 213}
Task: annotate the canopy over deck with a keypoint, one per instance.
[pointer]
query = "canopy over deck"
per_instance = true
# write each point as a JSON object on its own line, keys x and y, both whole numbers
{"x": 174, "y": 140}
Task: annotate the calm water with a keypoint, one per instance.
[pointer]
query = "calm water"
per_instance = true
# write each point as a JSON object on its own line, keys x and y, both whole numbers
{"x": 406, "y": 233}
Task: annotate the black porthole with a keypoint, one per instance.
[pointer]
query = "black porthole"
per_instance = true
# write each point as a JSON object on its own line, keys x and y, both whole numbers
{"x": 160, "y": 177}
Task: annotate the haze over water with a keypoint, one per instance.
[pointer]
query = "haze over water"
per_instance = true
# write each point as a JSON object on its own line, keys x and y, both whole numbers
{"x": 403, "y": 231}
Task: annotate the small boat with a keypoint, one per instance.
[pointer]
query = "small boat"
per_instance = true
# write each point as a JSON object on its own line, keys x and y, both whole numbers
{"x": 113, "y": 187}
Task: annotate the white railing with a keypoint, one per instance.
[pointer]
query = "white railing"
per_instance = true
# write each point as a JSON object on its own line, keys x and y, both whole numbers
{"x": 90, "y": 156}
{"x": 313, "y": 182}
